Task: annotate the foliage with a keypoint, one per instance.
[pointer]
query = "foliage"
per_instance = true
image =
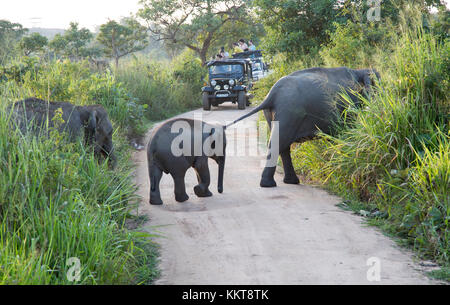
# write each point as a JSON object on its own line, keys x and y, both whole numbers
{"x": 33, "y": 43}
{"x": 192, "y": 24}
{"x": 58, "y": 202}
{"x": 122, "y": 39}
{"x": 73, "y": 43}
{"x": 74, "y": 82}
{"x": 10, "y": 34}
{"x": 297, "y": 27}
{"x": 355, "y": 45}
{"x": 166, "y": 92}
{"x": 394, "y": 154}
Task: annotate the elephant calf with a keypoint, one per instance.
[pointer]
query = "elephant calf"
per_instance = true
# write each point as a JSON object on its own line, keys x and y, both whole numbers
{"x": 34, "y": 114}
{"x": 179, "y": 144}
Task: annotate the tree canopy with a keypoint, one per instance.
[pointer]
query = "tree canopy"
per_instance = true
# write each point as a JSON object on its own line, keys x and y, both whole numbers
{"x": 73, "y": 43}
{"x": 122, "y": 39}
{"x": 194, "y": 24}
{"x": 33, "y": 43}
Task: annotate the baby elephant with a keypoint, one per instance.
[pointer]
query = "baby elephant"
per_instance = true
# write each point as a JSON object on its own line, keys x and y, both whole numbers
{"x": 34, "y": 114}
{"x": 179, "y": 144}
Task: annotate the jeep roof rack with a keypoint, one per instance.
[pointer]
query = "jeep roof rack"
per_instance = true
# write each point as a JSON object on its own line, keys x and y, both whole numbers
{"x": 248, "y": 54}
{"x": 228, "y": 61}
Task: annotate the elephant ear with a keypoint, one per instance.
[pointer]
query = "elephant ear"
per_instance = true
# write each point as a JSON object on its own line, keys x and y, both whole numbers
{"x": 88, "y": 117}
{"x": 367, "y": 81}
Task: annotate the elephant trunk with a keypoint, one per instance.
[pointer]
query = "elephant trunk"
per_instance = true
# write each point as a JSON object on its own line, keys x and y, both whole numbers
{"x": 221, "y": 163}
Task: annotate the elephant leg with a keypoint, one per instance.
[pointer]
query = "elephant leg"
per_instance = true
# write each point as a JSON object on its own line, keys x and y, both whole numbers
{"x": 155, "y": 174}
{"x": 290, "y": 177}
{"x": 280, "y": 141}
{"x": 180, "y": 188}
{"x": 267, "y": 179}
{"x": 202, "y": 170}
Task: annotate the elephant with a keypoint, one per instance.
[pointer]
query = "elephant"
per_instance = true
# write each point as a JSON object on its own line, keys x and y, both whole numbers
{"x": 179, "y": 144}
{"x": 303, "y": 103}
{"x": 33, "y": 114}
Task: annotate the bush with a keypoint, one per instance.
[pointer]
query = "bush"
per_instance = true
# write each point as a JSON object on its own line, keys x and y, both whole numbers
{"x": 356, "y": 45}
{"x": 394, "y": 154}
{"x": 166, "y": 88}
{"x": 57, "y": 202}
{"x": 75, "y": 83}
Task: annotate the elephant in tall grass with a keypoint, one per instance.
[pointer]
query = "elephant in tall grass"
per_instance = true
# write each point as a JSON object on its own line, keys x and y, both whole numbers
{"x": 35, "y": 115}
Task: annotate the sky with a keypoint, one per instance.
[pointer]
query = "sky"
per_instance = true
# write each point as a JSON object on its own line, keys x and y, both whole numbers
{"x": 59, "y": 13}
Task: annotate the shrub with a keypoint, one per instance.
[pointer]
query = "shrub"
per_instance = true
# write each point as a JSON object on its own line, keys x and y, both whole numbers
{"x": 165, "y": 91}
{"x": 74, "y": 82}
{"x": 394, "y": 154}
{"x": 57, "y": 202}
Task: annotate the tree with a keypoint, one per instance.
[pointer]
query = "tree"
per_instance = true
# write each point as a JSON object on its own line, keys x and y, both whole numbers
{"x": 122, "y": 39}
{"x": 297, "y": 26}
{"x": 33, "y": 43}
{"x": 73, "y": 43}
{"x": 194, "y": 24}
{"x": 10, "y": 34}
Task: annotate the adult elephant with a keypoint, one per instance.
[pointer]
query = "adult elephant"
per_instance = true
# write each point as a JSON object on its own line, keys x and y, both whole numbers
{"x": 34, "y": 114}
{"x": 302, "y": 103}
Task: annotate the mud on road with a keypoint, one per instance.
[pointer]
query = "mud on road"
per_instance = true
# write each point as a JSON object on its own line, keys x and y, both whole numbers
{"x": 290, "y": 234}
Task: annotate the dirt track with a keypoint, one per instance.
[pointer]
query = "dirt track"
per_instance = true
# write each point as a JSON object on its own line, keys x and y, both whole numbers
{"x": 290, "y": 234}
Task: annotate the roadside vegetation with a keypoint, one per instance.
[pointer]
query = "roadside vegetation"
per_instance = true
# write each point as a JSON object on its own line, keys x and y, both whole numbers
{"x": 390, "y": 158}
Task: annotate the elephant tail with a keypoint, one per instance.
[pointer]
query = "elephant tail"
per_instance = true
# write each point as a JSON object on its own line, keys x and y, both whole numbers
{"x": 267, "y": 103}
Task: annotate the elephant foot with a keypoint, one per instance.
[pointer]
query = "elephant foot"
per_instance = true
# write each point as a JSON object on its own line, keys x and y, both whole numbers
{"x": 155, "y": 201}
{"x": 291, "y": 180}
{"x": 202, "y": 191}
{"x": 267, "y": 182}
{"x": 181, "y": 197}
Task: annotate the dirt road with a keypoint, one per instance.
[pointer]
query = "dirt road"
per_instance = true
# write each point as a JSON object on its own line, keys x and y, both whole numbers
{"x": 290, "y": 234}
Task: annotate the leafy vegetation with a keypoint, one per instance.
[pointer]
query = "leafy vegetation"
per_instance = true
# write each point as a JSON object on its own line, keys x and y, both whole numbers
{"x": 122, "y": 39}
{"x": 165, "y": 88}
{"x": 390, "y": 157}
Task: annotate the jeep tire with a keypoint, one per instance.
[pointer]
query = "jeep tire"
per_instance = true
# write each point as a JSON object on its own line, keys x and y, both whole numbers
{"x": 206, "y": 102}
{"x": 241, "y": 100}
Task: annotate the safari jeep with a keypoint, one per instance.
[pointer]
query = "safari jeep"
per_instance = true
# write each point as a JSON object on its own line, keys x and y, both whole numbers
{"x": 229, "y": 80}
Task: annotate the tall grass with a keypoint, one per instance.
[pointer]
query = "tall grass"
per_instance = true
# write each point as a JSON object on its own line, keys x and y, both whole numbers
{"x": 58, "y": 202}
{"x": 166, "y": 88}
{"x": 394, "y": 154}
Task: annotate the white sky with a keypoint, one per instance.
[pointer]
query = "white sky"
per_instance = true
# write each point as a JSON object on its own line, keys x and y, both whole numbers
{"x": 59, "y": 13}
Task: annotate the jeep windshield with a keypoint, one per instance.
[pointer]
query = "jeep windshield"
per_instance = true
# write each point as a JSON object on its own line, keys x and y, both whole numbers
{"x": 226, "y": 71}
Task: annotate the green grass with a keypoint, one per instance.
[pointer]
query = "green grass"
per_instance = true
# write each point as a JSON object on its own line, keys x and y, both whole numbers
{"x": 164, "y": 88}
{"x": 58, "y": 202}
{"x": 390, "y": 158}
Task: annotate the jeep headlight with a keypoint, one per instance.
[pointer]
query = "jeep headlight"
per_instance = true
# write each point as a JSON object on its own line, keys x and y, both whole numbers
{"x": 213, "y": 83}
{"x": 226, "y": 87}
{"x": 231, "y": 82}
{"x": 217, "y": 87}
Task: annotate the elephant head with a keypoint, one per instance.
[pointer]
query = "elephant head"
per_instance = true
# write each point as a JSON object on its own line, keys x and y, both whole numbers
{"x": 98, "y": 131}
{"x": 367, "y": 78}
